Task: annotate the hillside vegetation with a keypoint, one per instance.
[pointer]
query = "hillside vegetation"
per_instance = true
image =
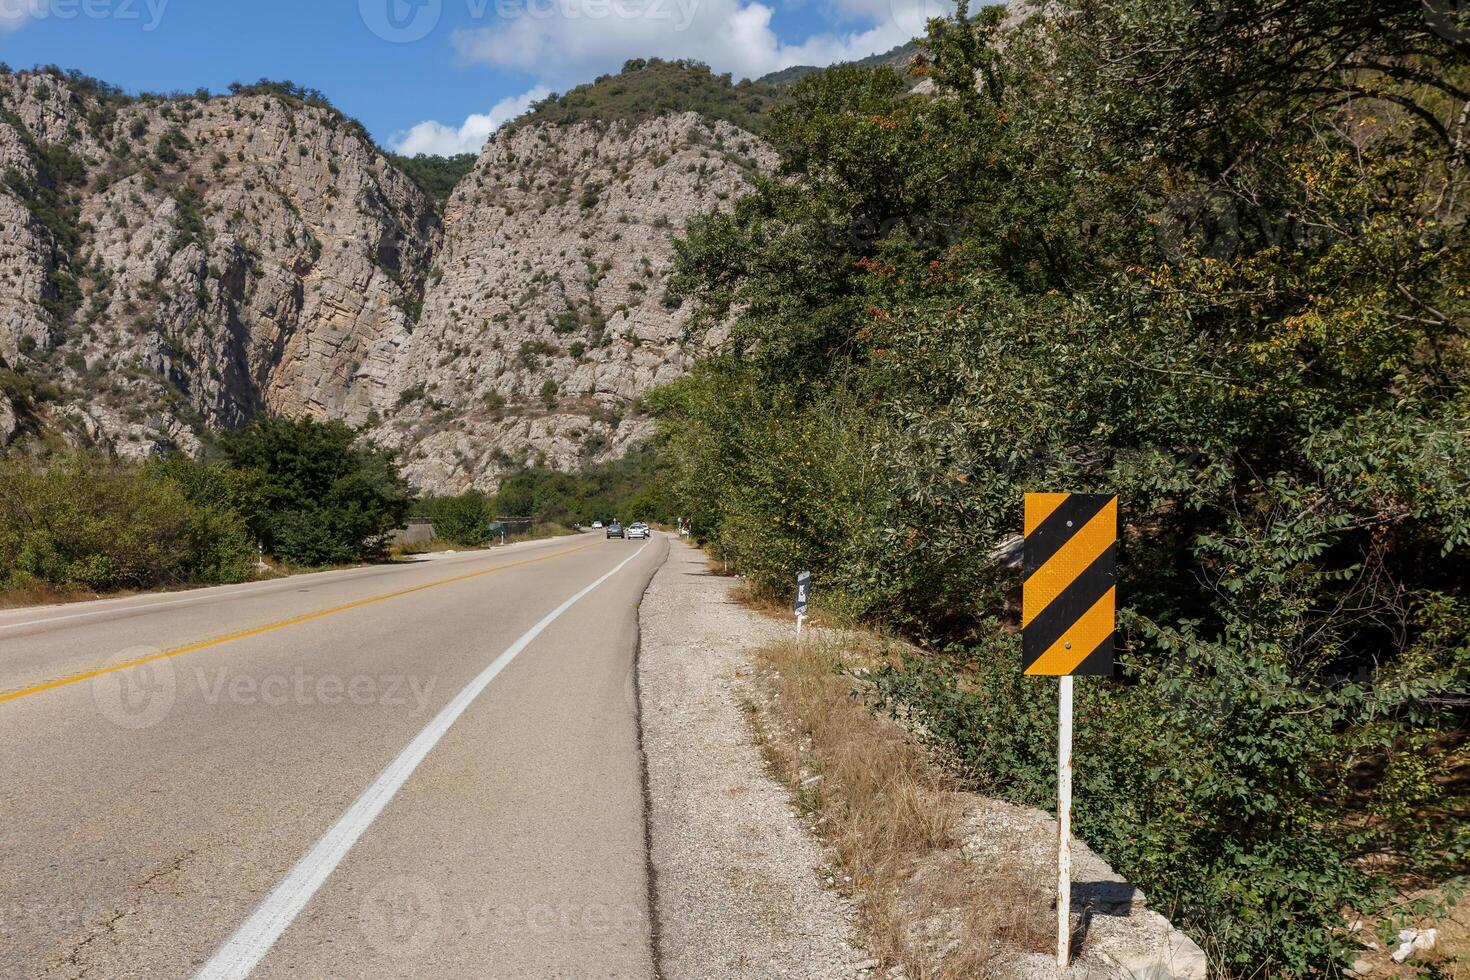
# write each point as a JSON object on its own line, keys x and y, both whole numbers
{"x": 1211, "y": 257}
{"x": 436, "y": 176}
{"x": 309, "y": 492}
{"x": 647, "y": 88}
{"x": 898, "y": 58}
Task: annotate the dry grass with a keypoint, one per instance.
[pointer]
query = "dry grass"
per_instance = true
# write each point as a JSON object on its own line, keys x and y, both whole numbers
{"x": 893, "y": 819}
{"x": 762, "y": 602}
{"x": 45, "y": 595}
{"x": 1450, "y": 958}
{"x": 1452, "y": 954}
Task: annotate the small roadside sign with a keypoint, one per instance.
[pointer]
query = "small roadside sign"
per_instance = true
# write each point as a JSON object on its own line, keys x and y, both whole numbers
{"x": 1069, "y": 595}
{"x": 1069, "y": 600}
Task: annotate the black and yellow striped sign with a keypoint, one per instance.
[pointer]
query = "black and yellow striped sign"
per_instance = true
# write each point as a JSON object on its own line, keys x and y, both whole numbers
{"x": 1069, "y": 596}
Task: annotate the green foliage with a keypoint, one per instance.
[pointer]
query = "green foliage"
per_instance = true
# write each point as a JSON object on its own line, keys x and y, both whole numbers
{"x": 436, "y": 176}
{"x": 898, "y": 58}
{"x": 653, "y": 87}
{"x": 84, "y": 522}
{"x": 326, "y": 497}
{"x": 286, "y": 91}
{"x": 464, "y": 520}
{"x": 1181, "y": 253}
{"x": 629, "y": 488}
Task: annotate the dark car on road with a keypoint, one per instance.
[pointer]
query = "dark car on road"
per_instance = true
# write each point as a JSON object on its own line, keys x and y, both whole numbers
{"x": 615, "y": 530}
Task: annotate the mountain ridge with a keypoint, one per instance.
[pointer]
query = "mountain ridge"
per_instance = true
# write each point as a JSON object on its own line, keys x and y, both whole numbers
{"x": 177, "y": 265}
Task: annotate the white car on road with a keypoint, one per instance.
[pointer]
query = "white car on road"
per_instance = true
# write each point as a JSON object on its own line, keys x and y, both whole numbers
{"x": 639, "y": 531}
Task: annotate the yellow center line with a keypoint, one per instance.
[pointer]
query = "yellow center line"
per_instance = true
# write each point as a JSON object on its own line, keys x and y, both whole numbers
{"x": 272, "y": 627}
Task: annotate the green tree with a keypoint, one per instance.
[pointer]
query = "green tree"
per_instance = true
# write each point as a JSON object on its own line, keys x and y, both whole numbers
{"x": 464, "y": 520}
{"x": 327, "y": 497}
{"x": 1211, "y": 257}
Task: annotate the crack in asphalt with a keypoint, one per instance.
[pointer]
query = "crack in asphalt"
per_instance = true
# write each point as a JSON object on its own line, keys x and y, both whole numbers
{"x": 654, "y": 932}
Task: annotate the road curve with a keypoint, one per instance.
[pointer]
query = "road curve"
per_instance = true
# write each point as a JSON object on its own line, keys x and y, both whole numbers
{"x": 427, "y": 770}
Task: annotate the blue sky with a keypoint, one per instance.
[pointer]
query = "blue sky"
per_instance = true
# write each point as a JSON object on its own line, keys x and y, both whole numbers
{"x": 436, "y": 75}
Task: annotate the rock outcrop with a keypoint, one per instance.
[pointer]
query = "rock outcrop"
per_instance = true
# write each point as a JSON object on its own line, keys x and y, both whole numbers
{"x": 181, "y": 265}
{"x": 546, "y": 314}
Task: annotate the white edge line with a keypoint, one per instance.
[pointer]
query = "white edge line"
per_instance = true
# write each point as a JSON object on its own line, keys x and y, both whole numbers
{"x": 244, "y": 950}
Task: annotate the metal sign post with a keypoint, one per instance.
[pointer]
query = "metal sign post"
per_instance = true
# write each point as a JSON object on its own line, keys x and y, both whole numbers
{"x": 1068, "y": 617}
{"x": 803, "y": 599}
{"x": 1064, "y": 824}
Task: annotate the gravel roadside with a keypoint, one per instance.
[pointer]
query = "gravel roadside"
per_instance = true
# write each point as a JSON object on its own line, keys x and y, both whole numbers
{"x": 737, "y": 878}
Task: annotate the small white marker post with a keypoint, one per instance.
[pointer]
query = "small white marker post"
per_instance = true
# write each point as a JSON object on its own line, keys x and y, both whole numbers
{"x": 1064, "y": 824}
{"x": 803, "y": 599}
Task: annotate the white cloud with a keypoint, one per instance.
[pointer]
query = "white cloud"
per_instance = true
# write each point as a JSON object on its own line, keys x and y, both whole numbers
{"x": 437, "y": 139}
{"x": 564, "y": 42}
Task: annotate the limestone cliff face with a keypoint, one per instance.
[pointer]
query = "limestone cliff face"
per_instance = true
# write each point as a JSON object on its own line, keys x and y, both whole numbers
{"x": 546, "y": 314}
{"x": 192, "y": 263}
{"x": 173, "y": 266}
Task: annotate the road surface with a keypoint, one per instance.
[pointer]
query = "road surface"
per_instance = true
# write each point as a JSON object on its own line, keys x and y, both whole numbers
{"x": 427, "y": 770}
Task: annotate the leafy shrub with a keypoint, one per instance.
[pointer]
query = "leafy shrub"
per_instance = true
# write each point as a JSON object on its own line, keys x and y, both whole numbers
{"x": 629, "y": 488}
{"x": 88, "y": 522}
{"x": 464, "y": 520}
{"x": 1061, "y": 278}
{"x": 325, "y": 498}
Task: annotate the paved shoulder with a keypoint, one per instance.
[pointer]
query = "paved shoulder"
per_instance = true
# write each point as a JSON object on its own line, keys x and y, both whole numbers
{"x": 737, "y": 876}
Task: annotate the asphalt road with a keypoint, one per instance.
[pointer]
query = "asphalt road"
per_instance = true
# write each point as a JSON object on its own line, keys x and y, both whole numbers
{"x": 427, "y": 770}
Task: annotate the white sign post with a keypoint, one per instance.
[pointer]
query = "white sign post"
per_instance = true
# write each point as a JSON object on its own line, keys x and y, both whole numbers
{"x": 803, "y": 599}
{"x": 1064, "y": 825}
{"x": 1068, "y": 618}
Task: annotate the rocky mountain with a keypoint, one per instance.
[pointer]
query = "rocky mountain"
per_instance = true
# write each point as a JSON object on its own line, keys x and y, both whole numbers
{"x": 546, "y": 314}
{"x": 170, "y": 266}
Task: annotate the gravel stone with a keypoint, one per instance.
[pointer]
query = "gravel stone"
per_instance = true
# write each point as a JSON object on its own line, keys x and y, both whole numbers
{"x": 737, "y": 875}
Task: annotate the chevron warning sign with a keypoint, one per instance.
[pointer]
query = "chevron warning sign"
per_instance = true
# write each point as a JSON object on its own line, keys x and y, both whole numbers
{"x": 1069, "y": 595}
